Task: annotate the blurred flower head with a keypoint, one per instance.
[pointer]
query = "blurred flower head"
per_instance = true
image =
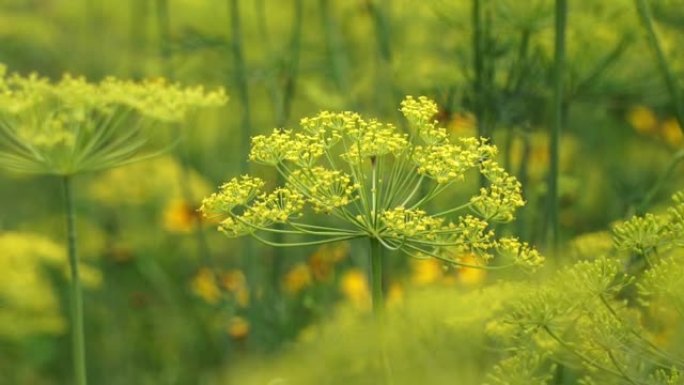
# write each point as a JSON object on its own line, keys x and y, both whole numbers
{"x": 30, "y": 305}
{"x": 73, "y": 126}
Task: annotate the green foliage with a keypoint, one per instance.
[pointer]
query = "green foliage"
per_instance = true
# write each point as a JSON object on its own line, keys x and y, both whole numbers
{"x": 587, "y": 318}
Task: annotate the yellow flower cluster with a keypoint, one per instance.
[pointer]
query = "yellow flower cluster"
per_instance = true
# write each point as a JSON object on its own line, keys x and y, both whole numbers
{"x": 212, "y": 285}
{"x": 420, "y": 113}
{"x": 448, "y": 162}
{"x": 29, "y": 304}
{"x": 521, "y": 252}
{"x": 652, "y": 233}
{"x": 502, "y": 198}
{"x": 72, "y": 125}
{"x": 640, "y": 234}
{"x": 281, "y": 145}
{"x": 380, "y": 188}
{"x": 297, "y": 279}
{"x": 236, "y": 192}
{"x": 408, "y": 223}
{"x": 279, "y": 206}
{"x": 325, "y": 189}
{"x": 471, "y": 235}
{"x": 373, "y": 139}
{"x": 161, "y": 100}
{"x": 329, "y": 126}
{"x": 646, "y": 122}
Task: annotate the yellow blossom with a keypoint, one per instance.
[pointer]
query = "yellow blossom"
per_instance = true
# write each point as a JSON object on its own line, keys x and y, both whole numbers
{"x": 235, "y": 282}
{"x": 470, "y": 276}
{"x": 425, "y": 271}
{"x": 238, "y": 328}
{"x": 395, "y": 295}
{"x": 179, "y": 217}
{"x": 204, "y": 286}
{"x": 29, "y": 303}
{"x": 671, "y": 132}
{"x": 297, "y": 279}
{"x": 642, "y": 119}
{"x": 323, "y": 260}
{"x": 463, "y": 124}
{"x": 354, "y": 286}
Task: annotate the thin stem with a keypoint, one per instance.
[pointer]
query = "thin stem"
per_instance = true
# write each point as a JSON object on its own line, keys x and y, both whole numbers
{"x": 413, "y": 192}
{"x": 478, "y": 42}
{"x": 240, "y": 77}
{"x": 164, "y": 25}
{"x": 312, "y": 243}
{"x": 660, "y": 183}
{"x": 376, "y": 276}
{"x": 380, "y": 15}
{"x": 457, "y": 208}
{"x": 77, "y": 329}
{"x": 374, "y": 190}
{"x": 671, "y": 83}
{"x": 557, "y": 125}
{"x": 334, "y": 49}
{"x": 582, "y": 357}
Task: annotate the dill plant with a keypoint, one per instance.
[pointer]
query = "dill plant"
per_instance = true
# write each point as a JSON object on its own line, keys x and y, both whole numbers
{"x": 72, "y": 126}
{"x": 377, "y": 183}
{"x": 613, "y": 319}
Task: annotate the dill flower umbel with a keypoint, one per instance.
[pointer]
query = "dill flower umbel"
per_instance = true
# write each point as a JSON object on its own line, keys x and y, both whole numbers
{"x": 377, "y": 181}
{"x": 72, "y": 125}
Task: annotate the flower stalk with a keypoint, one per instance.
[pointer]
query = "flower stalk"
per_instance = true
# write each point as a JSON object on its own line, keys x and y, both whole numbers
{"x": 557, "y": 124}
{"x": 76, "y": 292}
{"x": 376, "y": 276}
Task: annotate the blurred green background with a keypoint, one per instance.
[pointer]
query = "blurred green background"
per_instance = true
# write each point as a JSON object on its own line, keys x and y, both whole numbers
{"x": 155, "y": 314}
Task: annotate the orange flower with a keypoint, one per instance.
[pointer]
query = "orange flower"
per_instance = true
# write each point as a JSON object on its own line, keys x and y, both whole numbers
{"x": 238, "y": 328}
{"x": 463, "y": 124}
{"x": 298, "y": 278}
{"x": 235, "y": 282}
{"x": 322, "y": 261}
{"x": 671, "y": 132}
{"x": 179, "y": 217}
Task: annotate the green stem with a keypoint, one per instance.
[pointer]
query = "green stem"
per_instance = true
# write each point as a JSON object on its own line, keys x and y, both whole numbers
{"x": 164, "y": 29}
{"x": 240, "y": 77}
{"x": 380, "y": 14}
{"x": 523, "y": 172}
{"x": 77, "y": 329}
{"x": 478, "y": 64}
{"x": 660, "y": 183}
{"x": 334, "y": 50}
{"x": 671, "y": 83}
{"x": 478, "y": 42}
{"x": 559, "y": 67}
{"x": 376, "y": 276}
